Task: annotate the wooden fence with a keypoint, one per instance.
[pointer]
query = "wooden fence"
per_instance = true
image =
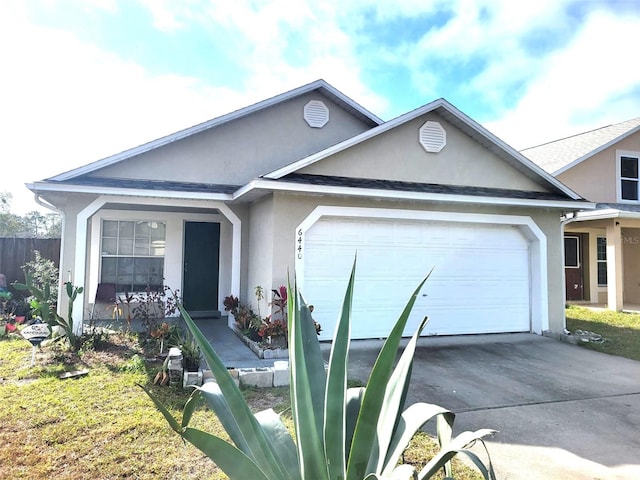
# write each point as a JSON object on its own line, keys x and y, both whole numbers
{"x": 15, "y": 252}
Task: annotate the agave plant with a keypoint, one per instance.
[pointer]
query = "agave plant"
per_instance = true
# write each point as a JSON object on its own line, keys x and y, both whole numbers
{"x": 341, "y": 433}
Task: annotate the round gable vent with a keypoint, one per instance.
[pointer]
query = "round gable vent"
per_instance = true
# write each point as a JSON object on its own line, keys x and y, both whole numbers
{"x": 433, "y": 137}
{"x": 316, "y": 114}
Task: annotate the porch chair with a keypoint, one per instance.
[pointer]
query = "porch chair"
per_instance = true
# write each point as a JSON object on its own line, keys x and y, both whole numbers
{"x": 106, "y": 294}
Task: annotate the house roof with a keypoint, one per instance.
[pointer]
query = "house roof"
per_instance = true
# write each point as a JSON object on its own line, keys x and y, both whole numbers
{"x": 560, "y": 155}
{"x": 459, "y": 120}
{"x": 336, "y": 181}
{"x": 83, "y": 180}
{"x": 319, "y": 85}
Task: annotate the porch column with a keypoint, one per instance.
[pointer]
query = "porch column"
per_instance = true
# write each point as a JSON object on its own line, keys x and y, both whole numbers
{"x": 614, "y": 266}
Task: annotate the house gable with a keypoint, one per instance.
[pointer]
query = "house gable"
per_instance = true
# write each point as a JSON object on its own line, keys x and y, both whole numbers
{"x": 237, "y": 151}
{"x": 399, "y": 155}
{"x": 594, "y": 175}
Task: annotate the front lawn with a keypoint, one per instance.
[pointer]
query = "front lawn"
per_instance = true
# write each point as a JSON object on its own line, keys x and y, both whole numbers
{"x": 103, "y": 425}
{"x": 620, "y": 331}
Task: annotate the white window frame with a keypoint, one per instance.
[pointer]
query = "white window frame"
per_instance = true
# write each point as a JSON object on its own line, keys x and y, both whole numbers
{"x": 620, "y": 178}
{"x": 599, "y": 261}
{"x": 133, "y": 253}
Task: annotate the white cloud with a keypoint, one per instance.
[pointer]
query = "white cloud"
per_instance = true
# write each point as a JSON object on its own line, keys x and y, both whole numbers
{"x": 282, "y": 44}
{"x": 581, "y": 87}
{"x": 66, "y": 103}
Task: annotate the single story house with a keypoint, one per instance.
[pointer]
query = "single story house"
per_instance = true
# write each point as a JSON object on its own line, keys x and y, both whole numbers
{"x": 302, "y": 182}
{"x": 602, "y": 246}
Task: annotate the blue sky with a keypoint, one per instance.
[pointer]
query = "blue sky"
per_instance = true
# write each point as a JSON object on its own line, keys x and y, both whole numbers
{"x": 83, "y": 79}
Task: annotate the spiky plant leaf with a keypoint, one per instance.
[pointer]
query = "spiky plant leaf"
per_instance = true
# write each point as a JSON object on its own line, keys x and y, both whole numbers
{"x": 173, "y": 423}
{"x": 411, "y": 420}
{"x": 235, "y": 463}
{"x": 457, "y": 444}
{"x": 279, "y": 435}
{"x": 308, "y": 380}
{"x": 365, "y": 433}
{"x": 190, "y": 407}
{"x": 259, "y": 448}
{"x": 392, "y": 405}
{"x": 335, "y": 433}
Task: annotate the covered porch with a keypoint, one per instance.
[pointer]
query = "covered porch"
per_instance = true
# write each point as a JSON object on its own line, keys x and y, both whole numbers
{"x": 602, "y": 258}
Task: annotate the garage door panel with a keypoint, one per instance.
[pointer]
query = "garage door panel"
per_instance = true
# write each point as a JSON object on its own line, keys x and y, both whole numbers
{"x": 480, "y": 283}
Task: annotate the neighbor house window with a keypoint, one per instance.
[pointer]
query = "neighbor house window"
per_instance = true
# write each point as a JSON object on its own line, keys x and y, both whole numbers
{"x": 601, "y": 252}
{"x": 133, "y": 254}
{"x": 629, "y": 176}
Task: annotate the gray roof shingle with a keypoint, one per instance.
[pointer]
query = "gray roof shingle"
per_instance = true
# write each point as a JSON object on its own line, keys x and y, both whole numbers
{"x": 555, "y": 156}
{"x": 420, "y": 187}
{"x": 159, "y": 185}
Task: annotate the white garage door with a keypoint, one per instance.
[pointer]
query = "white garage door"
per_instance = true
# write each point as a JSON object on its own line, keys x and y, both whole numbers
{"x": 480, "y": 282}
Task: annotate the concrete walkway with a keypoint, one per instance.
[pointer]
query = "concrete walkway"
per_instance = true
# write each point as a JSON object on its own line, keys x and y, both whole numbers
{"x": 231, "y": 350}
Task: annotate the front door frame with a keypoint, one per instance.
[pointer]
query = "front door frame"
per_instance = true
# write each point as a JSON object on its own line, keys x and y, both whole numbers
{"x": 573, "y": 268}
{"x": 208, "y": 253}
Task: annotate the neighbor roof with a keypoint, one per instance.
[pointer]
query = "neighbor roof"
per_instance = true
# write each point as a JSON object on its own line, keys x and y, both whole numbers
{"x": 560, "y": 155}
{"x": 320, "y": 85}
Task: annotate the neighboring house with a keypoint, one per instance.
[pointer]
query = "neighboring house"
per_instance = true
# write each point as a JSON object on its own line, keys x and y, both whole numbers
{"x": 300, "y": 183}
{"x": 602, "y": 246}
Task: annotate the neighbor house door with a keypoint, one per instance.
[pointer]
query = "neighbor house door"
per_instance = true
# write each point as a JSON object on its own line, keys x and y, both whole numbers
{"x": 201, "y": 268}
{"x": 573, "y": 272}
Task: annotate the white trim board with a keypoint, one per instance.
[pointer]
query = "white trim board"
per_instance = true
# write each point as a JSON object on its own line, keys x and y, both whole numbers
{"x": 81, "y": 259}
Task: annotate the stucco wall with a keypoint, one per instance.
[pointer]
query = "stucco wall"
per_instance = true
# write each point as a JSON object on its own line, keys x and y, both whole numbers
{"x": 631, "y": 259}
{"x": 261, "y": 251}
{"x": 291, "y": 210}
{"x": 241, "y": 150}
{"x": 73, "y": 205}
{"x": 398, "y": 155}
{"x": 596, "y": 178}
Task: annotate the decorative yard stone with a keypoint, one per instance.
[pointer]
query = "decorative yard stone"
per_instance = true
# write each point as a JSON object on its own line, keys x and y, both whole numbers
{"x": 256, "y": 377}
{"x": 280, "y": 373}
{"x": 192, "y": 379}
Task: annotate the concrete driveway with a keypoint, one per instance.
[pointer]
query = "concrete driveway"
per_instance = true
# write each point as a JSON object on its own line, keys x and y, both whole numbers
{"x": 562, "y": 412}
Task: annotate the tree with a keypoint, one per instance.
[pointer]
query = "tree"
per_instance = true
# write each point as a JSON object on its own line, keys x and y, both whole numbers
{"x": 33, "y": 224}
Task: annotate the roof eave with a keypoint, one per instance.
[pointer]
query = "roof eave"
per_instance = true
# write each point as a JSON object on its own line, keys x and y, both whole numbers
{"x": 604, "y": 214}
{"x": 283, "y": 186}
{"x": 43, "y": 187}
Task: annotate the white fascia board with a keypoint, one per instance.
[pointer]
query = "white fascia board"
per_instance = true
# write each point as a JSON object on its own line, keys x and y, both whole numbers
{"x": 146, "y": 147}
{"x": 604, "y": 214}
{"x": 402, "y": 195}
{"x": 41, "y": 187}
{"x": 602, "y": 147}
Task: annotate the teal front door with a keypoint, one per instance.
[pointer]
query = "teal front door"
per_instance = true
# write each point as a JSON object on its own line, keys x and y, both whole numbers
{"x": 201, "y": 268}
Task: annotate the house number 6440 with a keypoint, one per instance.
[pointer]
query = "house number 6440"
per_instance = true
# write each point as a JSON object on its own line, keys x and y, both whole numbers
{"x": 299, "y": 247}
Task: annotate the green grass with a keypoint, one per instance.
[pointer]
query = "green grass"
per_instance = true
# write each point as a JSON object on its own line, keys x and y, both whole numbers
{"x": 621, "y": 331}
{"x": 103, "y": 425}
